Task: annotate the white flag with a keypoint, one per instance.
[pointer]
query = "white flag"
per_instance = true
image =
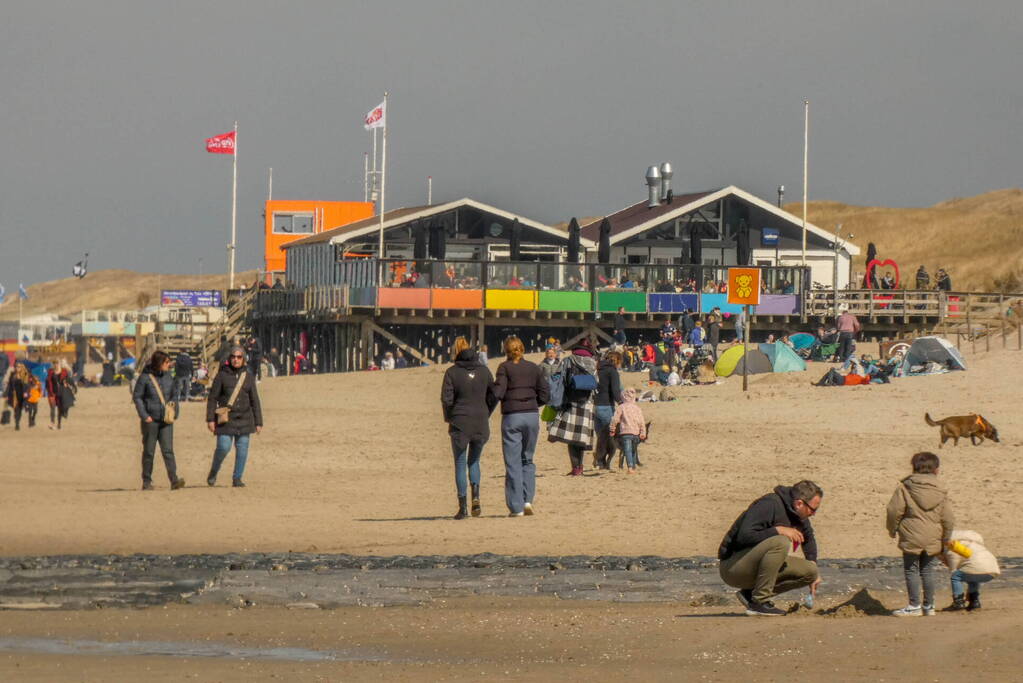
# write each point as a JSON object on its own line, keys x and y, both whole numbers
{"x": 376, "y": 118}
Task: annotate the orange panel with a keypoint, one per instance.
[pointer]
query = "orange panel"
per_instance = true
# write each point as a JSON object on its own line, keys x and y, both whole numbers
{"x": 328, "y": 215}
{"x": 457, "y": 298}
{"x": 403, "y": 297}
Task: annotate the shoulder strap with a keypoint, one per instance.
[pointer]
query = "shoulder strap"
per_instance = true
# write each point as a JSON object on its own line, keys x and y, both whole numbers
{"x": 159, "y": 392}
{"x": 237, "y": 388}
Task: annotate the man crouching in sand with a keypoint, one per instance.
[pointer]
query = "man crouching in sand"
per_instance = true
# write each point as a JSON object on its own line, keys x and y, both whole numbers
{"x": 754, "y": 554}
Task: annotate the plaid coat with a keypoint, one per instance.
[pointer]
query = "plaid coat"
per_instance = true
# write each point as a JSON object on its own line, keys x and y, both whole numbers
{"x": 574, "y": 424}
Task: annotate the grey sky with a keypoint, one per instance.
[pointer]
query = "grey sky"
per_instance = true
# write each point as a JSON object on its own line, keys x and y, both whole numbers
{"x": 549, "y": 109}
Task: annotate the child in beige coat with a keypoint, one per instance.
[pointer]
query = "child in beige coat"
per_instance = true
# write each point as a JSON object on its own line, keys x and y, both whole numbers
{"x": 980, "y": 567}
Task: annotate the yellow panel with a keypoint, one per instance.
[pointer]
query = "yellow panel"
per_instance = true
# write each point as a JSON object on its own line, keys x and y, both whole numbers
{"x": 511, "y": 299}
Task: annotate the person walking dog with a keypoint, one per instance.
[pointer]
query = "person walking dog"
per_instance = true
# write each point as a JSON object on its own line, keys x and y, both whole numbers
{"x": 233, "y": 413}
{"x": 156, "y": 404}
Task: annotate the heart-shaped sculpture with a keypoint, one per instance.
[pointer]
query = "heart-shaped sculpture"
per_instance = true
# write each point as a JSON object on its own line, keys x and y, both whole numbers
{"x": 887, "y": 262}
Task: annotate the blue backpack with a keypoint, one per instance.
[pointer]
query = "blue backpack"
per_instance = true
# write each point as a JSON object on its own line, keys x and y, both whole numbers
{"x": 556, "y": 384}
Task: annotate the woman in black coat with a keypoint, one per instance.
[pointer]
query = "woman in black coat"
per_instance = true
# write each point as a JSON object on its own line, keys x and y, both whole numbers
{"x": 244, "y": 414}
{"x": 153, "y": 390}
{"x": 467, "y": 397}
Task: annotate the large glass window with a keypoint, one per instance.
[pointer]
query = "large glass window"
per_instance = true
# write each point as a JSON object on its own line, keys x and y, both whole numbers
{"x": 293, "y": 223}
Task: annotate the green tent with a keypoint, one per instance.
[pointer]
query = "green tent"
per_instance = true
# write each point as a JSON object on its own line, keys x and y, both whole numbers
{"x": 731, "y": 362}
{"x": 783, "y": 358}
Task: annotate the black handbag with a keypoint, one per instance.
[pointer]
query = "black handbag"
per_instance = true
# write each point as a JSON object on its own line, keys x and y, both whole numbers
{"x": 5, "y": 417}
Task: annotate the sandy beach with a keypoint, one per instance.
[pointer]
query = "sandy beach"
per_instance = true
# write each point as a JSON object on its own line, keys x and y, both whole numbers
{"x": 360, "y": 463}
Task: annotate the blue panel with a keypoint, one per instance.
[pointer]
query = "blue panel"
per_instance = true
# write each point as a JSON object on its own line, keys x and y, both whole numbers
{"x": 674, "y": 303}
{"x": 709, "y": 301}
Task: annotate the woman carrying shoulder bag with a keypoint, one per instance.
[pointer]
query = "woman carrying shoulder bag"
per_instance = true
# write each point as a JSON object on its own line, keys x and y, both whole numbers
{"x": 233, "y": 413}
{"x": 574, "y": 422}
{"x": 156, "y": 404}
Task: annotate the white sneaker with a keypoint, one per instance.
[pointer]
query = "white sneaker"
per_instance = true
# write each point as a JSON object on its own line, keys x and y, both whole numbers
{"x": 528, "y": 509}
{"x": 520, "y": 514}
{"x": 928, "y": 610}
{"x": 908, "y": 611}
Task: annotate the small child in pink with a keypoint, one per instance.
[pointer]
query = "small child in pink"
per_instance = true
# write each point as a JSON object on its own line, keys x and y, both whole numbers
{"x": 630, "y": 428}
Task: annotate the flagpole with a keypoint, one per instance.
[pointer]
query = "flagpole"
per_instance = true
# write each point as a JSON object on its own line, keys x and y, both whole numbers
{"x": 806, "y": 147}
{"x": 365, "y": 176}
{"x": 373, "y": 192}
{"x": 383, "y": 179}
{"x": 234, "y": 209}
{"x": 270, "y": 185}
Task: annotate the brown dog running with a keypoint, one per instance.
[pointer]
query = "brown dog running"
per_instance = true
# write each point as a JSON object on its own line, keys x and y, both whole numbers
{"x": 973, "y": 426}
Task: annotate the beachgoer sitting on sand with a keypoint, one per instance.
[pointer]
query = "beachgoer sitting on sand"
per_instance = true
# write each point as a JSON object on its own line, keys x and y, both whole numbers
{"x": 754, "y": 554}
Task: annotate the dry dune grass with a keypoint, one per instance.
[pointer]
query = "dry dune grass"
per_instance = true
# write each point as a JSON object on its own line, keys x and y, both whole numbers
{"x": 110, "y": 289}
{"x": 979, "y": 240}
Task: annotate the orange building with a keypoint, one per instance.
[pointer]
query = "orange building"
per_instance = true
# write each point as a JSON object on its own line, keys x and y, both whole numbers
{"x": 287, "y": 220}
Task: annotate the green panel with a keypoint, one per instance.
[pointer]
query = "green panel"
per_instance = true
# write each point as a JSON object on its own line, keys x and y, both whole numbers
{"x": 565, "y": 301}
{"x": 634, "y": 302}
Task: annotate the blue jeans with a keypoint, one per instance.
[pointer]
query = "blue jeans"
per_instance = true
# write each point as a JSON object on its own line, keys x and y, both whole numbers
{"x": 972, "y": 582}
{"x": 518, "y": 442}
{"x": 467, "y": 457}
{"x": 241, "y": 453}
{"x": 602, "y": 428}
{"x": 630, "y": 443}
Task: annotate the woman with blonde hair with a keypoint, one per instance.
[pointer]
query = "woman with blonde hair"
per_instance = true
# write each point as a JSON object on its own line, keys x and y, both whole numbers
{"x": 467, "y": 398}
{"x": 522, "y": 389}
{"x": 17, "y": 391}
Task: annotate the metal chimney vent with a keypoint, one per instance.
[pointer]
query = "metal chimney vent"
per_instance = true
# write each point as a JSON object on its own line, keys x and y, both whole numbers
{"x": 653, "y": 182}
{"x": 666, "y": 174}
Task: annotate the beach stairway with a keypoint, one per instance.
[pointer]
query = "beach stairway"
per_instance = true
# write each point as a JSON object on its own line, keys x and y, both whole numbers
{"x": 218, "y": 336}
{"x": 976, "y": 315}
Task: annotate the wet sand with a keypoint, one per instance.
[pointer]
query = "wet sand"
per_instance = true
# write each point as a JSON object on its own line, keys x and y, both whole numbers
{"x": 519, "y": 639}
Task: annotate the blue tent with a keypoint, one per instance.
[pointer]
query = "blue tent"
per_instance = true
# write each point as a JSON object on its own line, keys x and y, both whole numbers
{"x": 802, "y": 340}
{"x": 783, "y": 358}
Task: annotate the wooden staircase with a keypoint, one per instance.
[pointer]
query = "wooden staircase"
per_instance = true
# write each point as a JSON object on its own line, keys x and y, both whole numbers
{"x": 218, "y": 335}
{"x": 975, "y": 315}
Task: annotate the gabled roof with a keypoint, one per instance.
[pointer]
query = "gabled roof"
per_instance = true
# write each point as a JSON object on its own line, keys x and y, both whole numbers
{"x": 638, "y": 214}
{"x": 637, "y": 218}
{"x": 398, "y": 217}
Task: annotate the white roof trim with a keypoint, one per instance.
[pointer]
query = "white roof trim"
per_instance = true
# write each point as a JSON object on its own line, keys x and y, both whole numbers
{"x": 443, "y": 208}
{"x": 847, "y": 246}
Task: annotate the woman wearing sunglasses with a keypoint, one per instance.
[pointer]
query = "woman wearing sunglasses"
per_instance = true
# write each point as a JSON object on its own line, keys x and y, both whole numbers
{"x": 233, "y": 413}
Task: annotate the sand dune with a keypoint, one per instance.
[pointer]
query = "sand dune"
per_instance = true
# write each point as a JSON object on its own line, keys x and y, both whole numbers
{"x": 360, "y": 463}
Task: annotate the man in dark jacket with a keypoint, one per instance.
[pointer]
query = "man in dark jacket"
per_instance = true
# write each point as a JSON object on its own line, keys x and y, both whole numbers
{"x": 620, "y": 326}
{"x": 245, "y": 414}
{"x": 609, "y": 394}
{"x": 754, "y": 554}
{"x": 183, "y": 376}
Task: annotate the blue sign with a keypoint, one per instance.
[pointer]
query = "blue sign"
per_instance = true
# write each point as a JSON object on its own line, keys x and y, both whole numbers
{"x": 769, "y": 237}
{"x": 191, "y": 297}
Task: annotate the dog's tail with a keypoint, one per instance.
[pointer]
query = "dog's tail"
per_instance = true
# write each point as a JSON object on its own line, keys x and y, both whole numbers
{"x": 927, "y": 416}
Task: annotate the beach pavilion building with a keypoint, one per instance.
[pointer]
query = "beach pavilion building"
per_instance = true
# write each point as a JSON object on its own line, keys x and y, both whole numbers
{"x": 660, "y": 231}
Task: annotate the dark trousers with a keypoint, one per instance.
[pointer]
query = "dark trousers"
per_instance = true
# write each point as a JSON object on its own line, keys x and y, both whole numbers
{"x": 56, "y": 413}
{"x": 17, "y": 415}
{"x": 575, "y": 454}
{"x": 917, "y": 568}
{"x": 31, "y": 409}
{"x": 845, "y": 346}
{"x": 153, "y": 433}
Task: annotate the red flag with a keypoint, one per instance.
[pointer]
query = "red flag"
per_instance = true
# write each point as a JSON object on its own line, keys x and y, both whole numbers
{"x": 221, "y": 144}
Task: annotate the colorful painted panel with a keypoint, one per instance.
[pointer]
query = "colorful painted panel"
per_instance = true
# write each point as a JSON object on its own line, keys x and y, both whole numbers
{"x": 777, "y": 304}
{"x": 709, "y": 301}
{"x": 403, "y": 297}
{"x": 565, "y": 301}
{"x": 612, "y": 299}
{"x": 457, "y": 298}
{"x": 511, "y": 299}
{"x": 674, "y": 303}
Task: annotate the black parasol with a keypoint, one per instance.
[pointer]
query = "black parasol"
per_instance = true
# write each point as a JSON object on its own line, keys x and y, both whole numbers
{"x": 438, "y": 241}
{"x": 419, "y": 250}
{"x": 515, "y": 242}
{"x": 742, "y": 252}
{"x": 573, "y": 241}
{"x": 604, "y": 247}
{"x": 871, "y": 256}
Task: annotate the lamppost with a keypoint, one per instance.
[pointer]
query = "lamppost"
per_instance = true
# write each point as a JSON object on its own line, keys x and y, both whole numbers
{"x": 836, "y": 245}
